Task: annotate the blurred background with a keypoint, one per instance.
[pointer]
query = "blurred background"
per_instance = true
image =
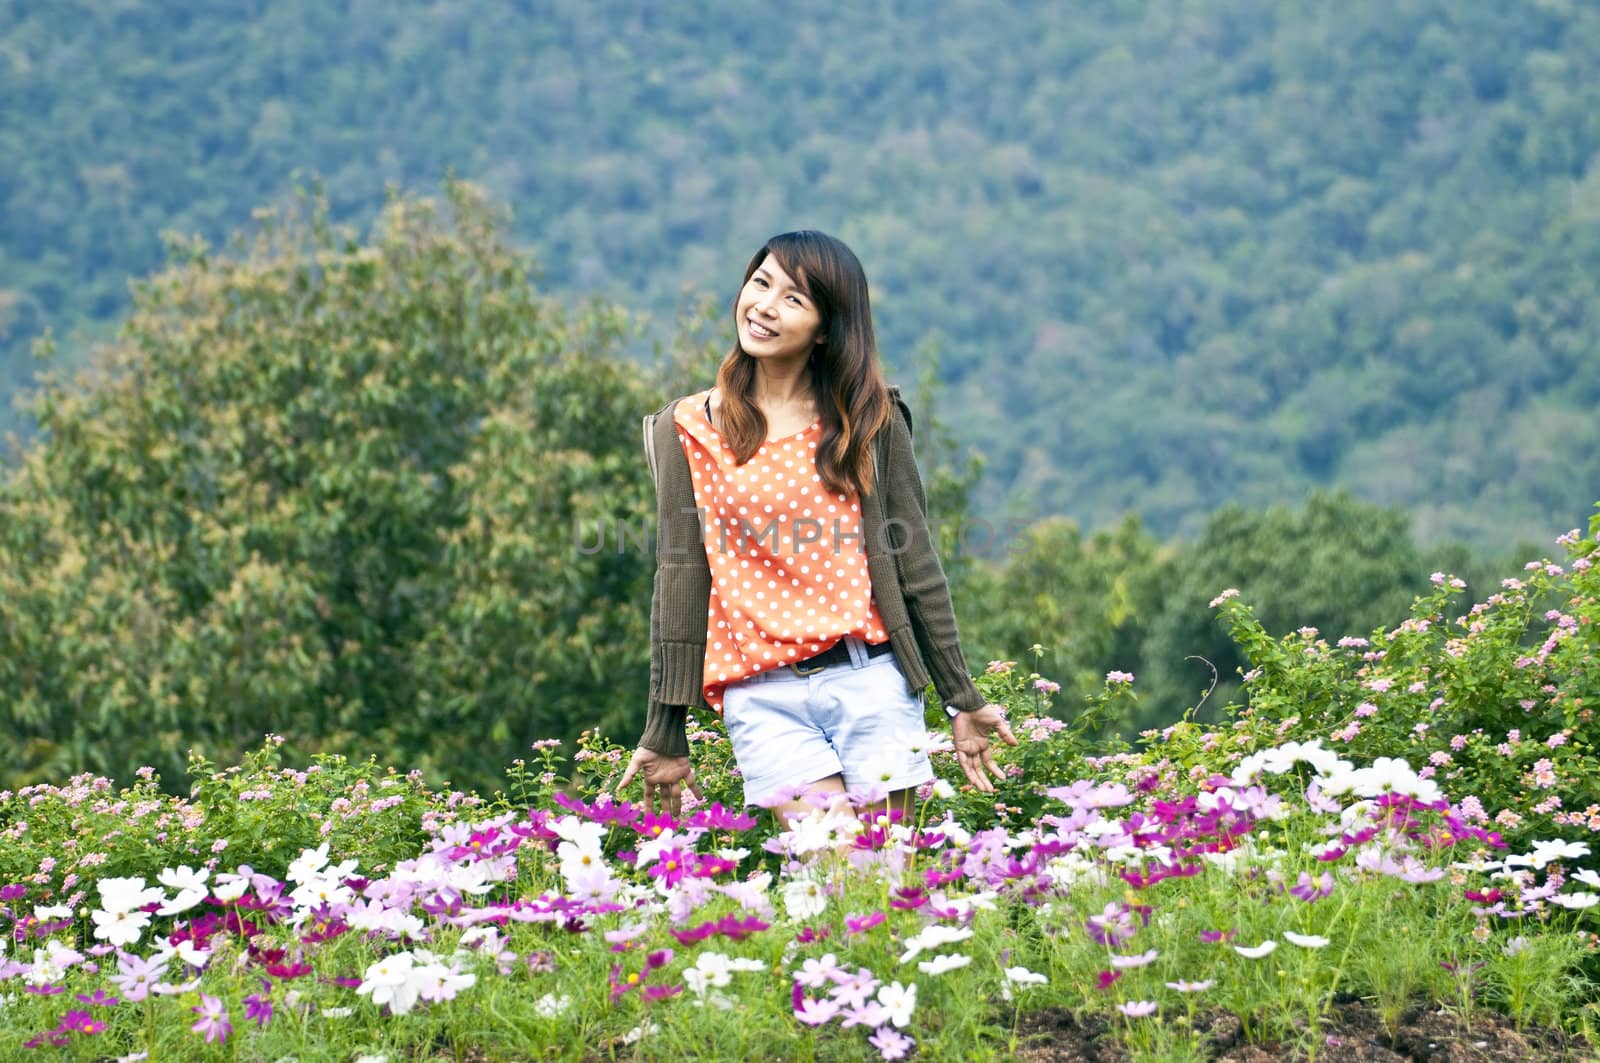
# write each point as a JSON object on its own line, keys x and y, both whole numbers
{"x": 1290, "y": 296}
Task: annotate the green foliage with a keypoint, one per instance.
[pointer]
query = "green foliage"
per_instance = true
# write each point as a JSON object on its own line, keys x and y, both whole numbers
{"x": 1336, "y": 564}
{"x": 1177, "y": 254}
{"x": 332, "y": 489}
{"x": 62, "y": 839}
{"x": 1089, "y": 600}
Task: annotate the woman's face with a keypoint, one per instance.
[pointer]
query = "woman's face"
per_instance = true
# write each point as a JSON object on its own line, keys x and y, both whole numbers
{"x": 775, "y": 318}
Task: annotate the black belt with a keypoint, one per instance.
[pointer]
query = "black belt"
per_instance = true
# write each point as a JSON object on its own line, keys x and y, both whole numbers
{"x": 838, "y": 653}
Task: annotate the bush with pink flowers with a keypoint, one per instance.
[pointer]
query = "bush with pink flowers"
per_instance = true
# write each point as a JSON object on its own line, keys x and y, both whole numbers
{"x": 1496, "y": 699}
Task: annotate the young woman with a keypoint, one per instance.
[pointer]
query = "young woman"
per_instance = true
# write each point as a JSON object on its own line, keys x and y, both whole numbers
{"x": 797, "y": 589}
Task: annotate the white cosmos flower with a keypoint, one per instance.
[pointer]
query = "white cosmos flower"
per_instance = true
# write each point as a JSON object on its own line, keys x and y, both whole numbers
{"x": 819, "y": 830}
{"x": 388, "y": 981}
{"x": 1545, "y": 852}
{"x": 44, "y": 971}
{"x": 587, "y": 850}
{"x": 197, "y": 958}
{"x": 1576, "y": 901}
{"x": 958, "y": 836}
{"x": 1587, "y": 878}
{"x": 932, "y": 937}
{"x": 46, "y": 912}
{"x": 713, "y": 968}
{"x": 1256, "y": 952}
{"x": 1305, "y": 941}
{"x": 899, "y": 1001}
{"x": 308, "y": 863}
{"x": 1323, "y": 761}
{"x": 943, "y": 790}
{"x": 941, "y": 964}
{"x": 229, "y": 888}
{"x": 119, "y": 921}
{"x": 1393, "y": 775}
{"x": 804, "y": 898}
{"x": 583, "y": 832}
{"x": 1022, "y": 976}
{"x": 1019, "y": 978}
{"x": 184, "y": 877}
{"x": 318, "y": 890}
{"x": 182, "y": 902}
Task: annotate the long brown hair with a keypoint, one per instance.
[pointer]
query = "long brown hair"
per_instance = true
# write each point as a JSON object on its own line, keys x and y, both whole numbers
{"x": 846, "y": 381}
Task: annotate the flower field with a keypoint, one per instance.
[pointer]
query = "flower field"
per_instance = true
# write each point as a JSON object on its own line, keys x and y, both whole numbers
{"x": 587, "y": 928}
{"x": 1266, "y": 868}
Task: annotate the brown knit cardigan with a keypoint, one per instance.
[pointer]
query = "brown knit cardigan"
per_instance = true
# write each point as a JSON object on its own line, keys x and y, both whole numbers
{"x": 908, "y": 582}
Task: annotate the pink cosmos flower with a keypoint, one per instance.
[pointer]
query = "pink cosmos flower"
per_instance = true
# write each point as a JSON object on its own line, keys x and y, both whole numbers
{"x": 213, "y": 1022}
{"x": 891, "y": 1043}
{"x": 815, "y": 1012}
{"x": 861, "y": 924}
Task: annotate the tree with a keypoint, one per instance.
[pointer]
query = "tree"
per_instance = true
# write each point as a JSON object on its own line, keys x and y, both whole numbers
{"x": 328, "y": 488}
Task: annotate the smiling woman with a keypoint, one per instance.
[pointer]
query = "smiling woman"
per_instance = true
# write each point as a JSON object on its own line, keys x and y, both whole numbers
{"x": 814, "y": 645}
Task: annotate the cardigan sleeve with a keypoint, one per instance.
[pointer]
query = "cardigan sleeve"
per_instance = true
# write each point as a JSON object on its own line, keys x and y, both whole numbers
{"x": 666, "y": 730}
{"x": 922, "y": 579}
{"x": 666, "y": 727}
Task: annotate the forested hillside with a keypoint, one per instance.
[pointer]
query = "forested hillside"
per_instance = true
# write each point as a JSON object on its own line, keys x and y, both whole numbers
{"x": 1172, "y": 255}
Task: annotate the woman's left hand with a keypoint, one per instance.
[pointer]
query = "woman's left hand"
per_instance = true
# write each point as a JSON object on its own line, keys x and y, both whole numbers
{"x": 972, "y": 731}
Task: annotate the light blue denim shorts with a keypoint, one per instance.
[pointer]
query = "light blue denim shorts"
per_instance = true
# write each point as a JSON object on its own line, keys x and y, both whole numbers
{"x": 857, "y": 719}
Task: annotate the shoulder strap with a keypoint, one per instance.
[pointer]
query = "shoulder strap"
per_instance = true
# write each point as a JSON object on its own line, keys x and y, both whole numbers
{"x": 650, "y": 448}
{"x": 894, "y": 393}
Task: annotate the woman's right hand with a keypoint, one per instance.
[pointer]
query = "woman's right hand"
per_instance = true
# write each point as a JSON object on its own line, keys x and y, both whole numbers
{"x": 662, "y": 776}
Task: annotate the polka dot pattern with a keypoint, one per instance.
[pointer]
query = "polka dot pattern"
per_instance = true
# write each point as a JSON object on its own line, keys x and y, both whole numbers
{"x": 788, "y": 557}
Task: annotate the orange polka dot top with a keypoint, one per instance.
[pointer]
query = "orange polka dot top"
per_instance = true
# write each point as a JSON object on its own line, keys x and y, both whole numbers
{"x": 773, "y": 604}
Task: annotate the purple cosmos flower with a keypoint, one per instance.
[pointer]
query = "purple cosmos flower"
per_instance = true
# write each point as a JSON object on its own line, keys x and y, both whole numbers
{"x": 718, "y": 818}
{"x": 80, "y": 1022}
{"x": 1310, "y": 889}
{"x": 1112, "y": 926}
{"x": 100, "y": 999}
{"x": 258, "y": 1009}
{"x": 736, "y": 929}
{"x": 693, "y": 935}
